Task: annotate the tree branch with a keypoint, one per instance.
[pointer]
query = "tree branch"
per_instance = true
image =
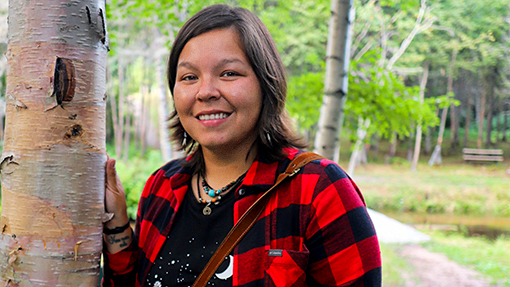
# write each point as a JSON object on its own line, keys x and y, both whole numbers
{"x": 418, "y": 27}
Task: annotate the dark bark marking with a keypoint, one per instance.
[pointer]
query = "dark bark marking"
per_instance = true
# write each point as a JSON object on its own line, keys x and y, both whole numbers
{"x": 64, "y": 82}
{"x": 74, "y": 131}
{"x": 17, "y": 103}
{"x": 103, "y": 26}
{"x": 73, "y": 116}
{"x": 337, "y": 93}
{"x": 88, "y": 14}
{"x": 8, "y": 160}
{"x": 333, "y": 57}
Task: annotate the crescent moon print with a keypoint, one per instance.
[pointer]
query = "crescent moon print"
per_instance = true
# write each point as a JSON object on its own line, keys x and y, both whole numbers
{"x": 229, "y": 271}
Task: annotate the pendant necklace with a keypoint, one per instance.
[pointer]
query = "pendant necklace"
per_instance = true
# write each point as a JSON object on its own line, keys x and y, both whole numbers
{"x": 215, "y": 194}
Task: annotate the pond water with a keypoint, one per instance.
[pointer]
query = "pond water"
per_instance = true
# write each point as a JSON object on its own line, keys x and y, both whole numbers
{"x": 489, "y": 227}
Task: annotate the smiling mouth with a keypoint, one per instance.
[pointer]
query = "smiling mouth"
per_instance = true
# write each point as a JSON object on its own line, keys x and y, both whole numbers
{"x": 213, "y": 116}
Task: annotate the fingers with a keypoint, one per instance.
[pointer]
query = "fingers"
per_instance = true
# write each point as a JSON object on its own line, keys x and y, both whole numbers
{"x": 111, "y": 172}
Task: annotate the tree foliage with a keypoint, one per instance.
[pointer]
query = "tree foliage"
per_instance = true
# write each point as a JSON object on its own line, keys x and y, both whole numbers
{"x": 477, "y": 31}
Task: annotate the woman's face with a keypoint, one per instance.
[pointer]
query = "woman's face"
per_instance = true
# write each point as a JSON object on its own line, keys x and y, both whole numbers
{"x": 217, "y": 94}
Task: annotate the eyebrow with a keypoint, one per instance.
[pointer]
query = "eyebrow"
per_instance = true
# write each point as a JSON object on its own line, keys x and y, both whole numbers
{"x": 221, "y": 63}
{"x": 228, "y": 61}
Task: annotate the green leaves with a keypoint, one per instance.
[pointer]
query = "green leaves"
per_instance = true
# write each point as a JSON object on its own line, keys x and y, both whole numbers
{"x": 304, "y": 98}
{"x": 383, "y": 97}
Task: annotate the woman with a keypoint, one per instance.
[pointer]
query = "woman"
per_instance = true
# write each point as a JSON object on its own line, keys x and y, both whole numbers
{"x": 229, "y": 90}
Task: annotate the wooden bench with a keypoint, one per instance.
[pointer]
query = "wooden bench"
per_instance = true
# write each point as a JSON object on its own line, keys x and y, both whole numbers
{"x": 482, "y": 154}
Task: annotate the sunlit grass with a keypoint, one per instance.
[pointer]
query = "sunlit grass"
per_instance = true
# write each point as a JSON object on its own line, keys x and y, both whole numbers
{"x": 454, "y": 189}
{"x": 490, "y": 258}
{"x": 393, "y": 266}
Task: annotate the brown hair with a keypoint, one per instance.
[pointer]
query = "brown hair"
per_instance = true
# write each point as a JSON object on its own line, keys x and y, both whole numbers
{"x": 274, "y": 129}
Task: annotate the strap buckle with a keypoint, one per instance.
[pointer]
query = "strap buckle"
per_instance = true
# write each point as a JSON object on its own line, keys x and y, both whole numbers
{"x": 294, "y": 172}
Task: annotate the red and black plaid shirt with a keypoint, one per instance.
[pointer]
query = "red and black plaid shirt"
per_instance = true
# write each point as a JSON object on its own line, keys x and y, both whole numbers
{"x": 316, "y": 224}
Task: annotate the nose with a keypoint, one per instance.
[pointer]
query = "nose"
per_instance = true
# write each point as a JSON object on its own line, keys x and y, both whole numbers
{"x": 208, "y": 89}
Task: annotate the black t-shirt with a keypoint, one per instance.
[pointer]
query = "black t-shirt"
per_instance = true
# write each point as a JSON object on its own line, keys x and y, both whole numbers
{"x": 192, "y": 241}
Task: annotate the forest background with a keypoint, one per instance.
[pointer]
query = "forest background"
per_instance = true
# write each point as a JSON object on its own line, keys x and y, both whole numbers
{"x": 457, "y": 51}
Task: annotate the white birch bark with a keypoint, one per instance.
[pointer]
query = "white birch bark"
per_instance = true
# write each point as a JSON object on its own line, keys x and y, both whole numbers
{"x": 363, "y": 126}
{"x": 335, "y": 87}
{"x": 417, "y": 145}
{"x": 164, "y": 136}
{"x": 52, "y": 165}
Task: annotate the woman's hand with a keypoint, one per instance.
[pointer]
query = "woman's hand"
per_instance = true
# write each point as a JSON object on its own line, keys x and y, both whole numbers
{"x": 115, "y": 199}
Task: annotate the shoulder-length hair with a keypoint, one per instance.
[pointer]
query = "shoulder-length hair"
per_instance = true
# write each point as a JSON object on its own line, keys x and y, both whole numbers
{"x": 274, "y": 128}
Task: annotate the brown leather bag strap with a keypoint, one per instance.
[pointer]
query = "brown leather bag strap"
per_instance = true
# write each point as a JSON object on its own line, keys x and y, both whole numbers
{"x": 249, "y": 218}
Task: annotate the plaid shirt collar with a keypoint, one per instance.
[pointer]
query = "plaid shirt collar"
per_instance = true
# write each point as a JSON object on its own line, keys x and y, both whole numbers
{"x": 261, "y": 175}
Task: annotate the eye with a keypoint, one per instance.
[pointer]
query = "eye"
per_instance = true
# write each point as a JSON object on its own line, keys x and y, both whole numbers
{"x": 230, "y": 74}
{"x": 189, "y": 78}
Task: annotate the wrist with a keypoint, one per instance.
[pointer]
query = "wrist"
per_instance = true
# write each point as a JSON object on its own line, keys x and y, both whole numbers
{"x": 116, "y": 230}
{"x": 117, "y": 221}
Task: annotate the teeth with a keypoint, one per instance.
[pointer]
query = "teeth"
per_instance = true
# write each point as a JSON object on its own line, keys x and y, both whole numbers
{"x": 212, "y": 117}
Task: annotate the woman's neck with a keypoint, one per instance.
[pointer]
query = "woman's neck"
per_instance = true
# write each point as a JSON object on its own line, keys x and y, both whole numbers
{"x": 222, "y": 168}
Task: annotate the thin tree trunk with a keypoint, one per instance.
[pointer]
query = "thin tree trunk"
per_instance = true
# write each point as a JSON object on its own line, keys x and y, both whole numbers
{"x": 422, "y": 23}
{"x": 505, "y": 122}
{"x": 143, "y": 121}
{"x": 127, "y": 134}
{"x": 393, "y": 146}
{"x": 410, "y": 141}
{"x": 428, "y": 141}
{"x": 362, "y": 132}
{"x": 115, "y": 119}
{"x": 436, "y": 155}
{"x": 488, "y": 139}
{"x": 481, "y": 116}
{"x": 122, "y": 101}
{"x": 376, "y": 140}
{"x": 335, "y": 87}
{"x": 164, "y": 136}
{"x": 499, "y": 120}
{"x": 468, "y": 120}
{"x": 54, "y": 153}
{"x": 423, "y": 85}
{"x": 454, "y": 134}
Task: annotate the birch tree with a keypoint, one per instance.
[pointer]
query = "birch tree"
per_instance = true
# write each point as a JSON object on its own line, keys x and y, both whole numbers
{"x": 423, "y": 84}
{"x": 54, "y": 151}
{"x": 335, "y": 88}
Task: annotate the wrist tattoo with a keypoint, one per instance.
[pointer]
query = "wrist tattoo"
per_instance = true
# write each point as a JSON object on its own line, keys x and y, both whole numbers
{"x": 112, "y": 239}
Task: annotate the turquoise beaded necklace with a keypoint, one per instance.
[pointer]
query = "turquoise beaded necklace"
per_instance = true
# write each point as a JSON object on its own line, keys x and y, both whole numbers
{"x": 213, "y": 193}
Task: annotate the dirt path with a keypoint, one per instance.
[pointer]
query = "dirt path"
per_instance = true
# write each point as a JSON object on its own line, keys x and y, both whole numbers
{"x": 436, "y": 270}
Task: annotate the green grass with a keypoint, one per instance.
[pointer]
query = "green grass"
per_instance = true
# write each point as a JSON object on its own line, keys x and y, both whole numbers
{"x": 454, "y": 189}
{"x": 490, "y": 258}
{"x": 393, "y": 265}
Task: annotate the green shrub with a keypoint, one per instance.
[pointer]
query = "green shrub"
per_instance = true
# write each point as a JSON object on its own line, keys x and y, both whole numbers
{"x": 133, "y": 175}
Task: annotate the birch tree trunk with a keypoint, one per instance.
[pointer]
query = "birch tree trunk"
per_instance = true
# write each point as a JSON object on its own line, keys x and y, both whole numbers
{"x": 362, "y": 132}
{"x": 335, "y": 87}
{"x": 54, "y": 152}
{"x": 454, "y": 134}
{"x": 436, "y": 155}
{"x": 417, "y": 145}
{"x": 164, "y": 135}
